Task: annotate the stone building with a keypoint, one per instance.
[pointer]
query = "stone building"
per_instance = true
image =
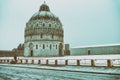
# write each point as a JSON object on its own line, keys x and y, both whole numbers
{"x": 43, "y": 34}
{"x": 11, "y": 53}
{"x": 96, "y": 50}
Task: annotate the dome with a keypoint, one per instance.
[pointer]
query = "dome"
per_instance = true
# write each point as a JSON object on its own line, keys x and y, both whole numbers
{"x": 44, "y": 7}
{"x": 44, "y": 13}
{"x": 44, "y": 34}
{"x": 45, "y": 23}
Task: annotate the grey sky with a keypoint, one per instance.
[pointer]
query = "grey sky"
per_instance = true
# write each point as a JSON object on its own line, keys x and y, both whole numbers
{"x": 85, "y": 22}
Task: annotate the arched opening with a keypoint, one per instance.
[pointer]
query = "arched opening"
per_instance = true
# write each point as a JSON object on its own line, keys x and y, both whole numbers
{"x": 37, "y": 24}
{"x": 36, "y": 46}
{"x": 52, "y": 36}
{"x": 31, "y": 53}
{"x": 56, "y": 46}
{"x": 50, "y": 25}
{"x": 50, "y": 46}
{"x": 60, "y": 49}
{"x": 43, "y": 46}
{"x": 43, "y": 24}
{"x": 41, "y": 35}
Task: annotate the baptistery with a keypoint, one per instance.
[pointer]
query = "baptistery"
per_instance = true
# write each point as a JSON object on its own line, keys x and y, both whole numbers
{"x": 44, "y": 34}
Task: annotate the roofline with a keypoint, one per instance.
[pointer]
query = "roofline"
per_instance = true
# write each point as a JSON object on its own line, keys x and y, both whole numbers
{"x": 6, "y": 50}
{"x": 90, "y": 46}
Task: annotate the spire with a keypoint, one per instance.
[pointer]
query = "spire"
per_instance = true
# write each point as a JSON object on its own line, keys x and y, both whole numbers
{"x": 44, "y": 2}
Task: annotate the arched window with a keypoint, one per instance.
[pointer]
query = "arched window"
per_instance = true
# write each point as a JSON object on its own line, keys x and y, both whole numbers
{"x": 36, "y": 46}
{"x": 32, "y": 25}
{"x": 43, "y": 24}
{"x": 41, "y": 35}
{"x": 49, "y": 25}
{"x": 43, "y": 46}
{"x": 56, "y": 46}
{"x": 50, "y": 46}
{"x": 52, "y": 36}
{"x": 37, "y": 24}
{"x": 89, "y": 52}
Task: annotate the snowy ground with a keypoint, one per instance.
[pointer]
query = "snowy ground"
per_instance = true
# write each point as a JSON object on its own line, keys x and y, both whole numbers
{"x": 37, "y": 72}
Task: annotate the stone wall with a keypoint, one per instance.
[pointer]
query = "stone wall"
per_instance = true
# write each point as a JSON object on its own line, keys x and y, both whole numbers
{"x": 10, "y": 53}
{"x": 96, "y": 50}
{"x": 42, "y": 48}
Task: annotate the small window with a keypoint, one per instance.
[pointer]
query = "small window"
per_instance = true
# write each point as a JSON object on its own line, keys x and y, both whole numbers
{"x": 41, "y": 35}
{"x": 50, "y": 46}
{"x": 31, "y": 25}
{"x": 49, "y": 25}
{"x": 89, "y": 52}
{"x": 52, "y": 36}
{"x": 56, "y": 46}
{"x": 36, "y": 46}
{"x": 37, "y": 24}
{"x": 43, "y": 46}
{"x": 43, "y": 24}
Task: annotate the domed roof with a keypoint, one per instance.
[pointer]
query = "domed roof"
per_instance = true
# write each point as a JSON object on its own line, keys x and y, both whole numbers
{"x": 45, "y": 25}
{"x": 44, "y": 7}
{"x": 44, "y": 13}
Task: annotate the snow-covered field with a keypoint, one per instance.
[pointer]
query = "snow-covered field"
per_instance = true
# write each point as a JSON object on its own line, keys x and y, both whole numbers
{"x": 37, "y": 72}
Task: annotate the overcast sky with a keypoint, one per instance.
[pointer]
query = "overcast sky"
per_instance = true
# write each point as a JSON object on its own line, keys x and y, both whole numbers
{"x": 85, "y": 22}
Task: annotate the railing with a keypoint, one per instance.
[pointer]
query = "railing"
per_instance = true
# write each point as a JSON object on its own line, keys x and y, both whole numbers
{"x": 75, "y": 62}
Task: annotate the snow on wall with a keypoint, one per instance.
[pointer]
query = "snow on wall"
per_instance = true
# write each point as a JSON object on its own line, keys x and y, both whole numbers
{"x": 99, "y": 60}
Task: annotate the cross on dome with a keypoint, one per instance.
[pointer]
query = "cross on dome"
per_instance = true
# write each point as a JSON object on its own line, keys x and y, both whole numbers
{"x": 44, "y": 2}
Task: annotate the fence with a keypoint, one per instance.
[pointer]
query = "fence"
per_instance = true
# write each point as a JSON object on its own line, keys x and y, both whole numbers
{"x": 75, "y": 62}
